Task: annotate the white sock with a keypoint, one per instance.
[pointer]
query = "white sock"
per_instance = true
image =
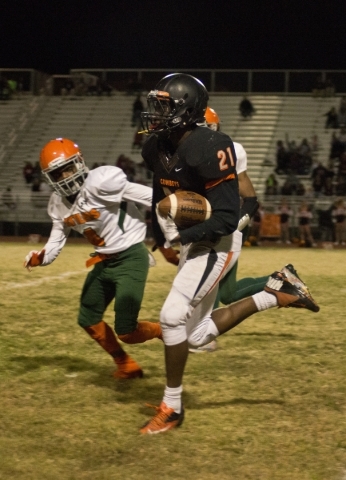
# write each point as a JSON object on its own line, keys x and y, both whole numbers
{"x": 264, "y": 300}
{"x": 172, "y": 398}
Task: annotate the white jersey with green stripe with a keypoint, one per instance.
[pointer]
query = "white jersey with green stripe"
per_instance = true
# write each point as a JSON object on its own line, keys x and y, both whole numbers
{"x": 104, "y": 211}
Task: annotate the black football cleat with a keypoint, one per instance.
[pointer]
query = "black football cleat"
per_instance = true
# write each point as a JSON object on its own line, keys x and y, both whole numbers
{"x": 290, "y": 290}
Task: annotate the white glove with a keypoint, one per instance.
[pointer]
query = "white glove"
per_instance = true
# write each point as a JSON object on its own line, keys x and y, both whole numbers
{"x": 34, "y": 259}
{"x": 168, "y": 227}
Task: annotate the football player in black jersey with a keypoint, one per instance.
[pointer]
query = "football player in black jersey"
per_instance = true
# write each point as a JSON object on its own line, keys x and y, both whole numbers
{"x": 184, "y": 156}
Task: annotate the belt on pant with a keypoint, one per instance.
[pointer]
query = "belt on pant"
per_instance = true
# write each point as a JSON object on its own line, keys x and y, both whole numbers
{"x": 99, "y": 257}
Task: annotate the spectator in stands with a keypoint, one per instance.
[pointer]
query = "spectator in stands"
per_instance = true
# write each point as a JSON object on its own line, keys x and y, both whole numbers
{"x": 339, "y": 216}
{"x": 325, "y": 222}
{"x": 317, "y": 185}
{"x": 332, "y": 118}
{"x": 246, "y": 108}
{"x": 328, "y": 187}
{"x": 4, "y": 88}
{"x": 287, "y": 188}
{"x": 28, "y": 171}
{"x": 137, "y": 109}
{"x": 300, "y": 190}
{"x": 282, "y": 158}
{"x": 271, "y": 185}
{"x": 285, "y": 211}
{"x": 305, "y": 152}
{"x": 7, "y": 199}
{"x": 318, "y": 177}
{"x": 304, "y": 215}
{"x": 94, "y": 165}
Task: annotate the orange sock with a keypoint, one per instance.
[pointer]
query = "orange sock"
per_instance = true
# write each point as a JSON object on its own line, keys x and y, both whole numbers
{"x": 104, "y": 336}
{"x": 144, "y": 331}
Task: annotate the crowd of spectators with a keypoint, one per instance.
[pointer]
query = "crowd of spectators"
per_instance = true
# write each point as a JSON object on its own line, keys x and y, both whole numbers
{"x": 296, "y": 222}
{"x": 295, "y": 157}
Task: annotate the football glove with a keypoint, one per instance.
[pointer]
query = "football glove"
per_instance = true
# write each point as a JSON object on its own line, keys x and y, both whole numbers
{"x": 34, "y": 259}
{"x": 168, "y": 227}
{"x": 243, "y": 222}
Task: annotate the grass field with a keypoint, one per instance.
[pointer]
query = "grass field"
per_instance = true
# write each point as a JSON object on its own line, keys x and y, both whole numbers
{"x": 268, "y": 404}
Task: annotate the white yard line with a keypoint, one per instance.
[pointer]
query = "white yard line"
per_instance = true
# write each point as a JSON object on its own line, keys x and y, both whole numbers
{"x": 36, "y": 283}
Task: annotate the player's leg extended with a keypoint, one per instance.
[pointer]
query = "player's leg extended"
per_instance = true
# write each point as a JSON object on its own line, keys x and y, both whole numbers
{"x": 231, "y": 290}
{"x": 96, "y": 296}
{"x": 129, "y": 277}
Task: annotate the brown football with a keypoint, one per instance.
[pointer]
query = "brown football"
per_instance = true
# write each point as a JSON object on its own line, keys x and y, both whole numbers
{"x": 185, "y": 208}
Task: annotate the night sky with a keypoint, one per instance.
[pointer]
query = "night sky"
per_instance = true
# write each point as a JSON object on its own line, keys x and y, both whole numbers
{"x": 55, "y": 36}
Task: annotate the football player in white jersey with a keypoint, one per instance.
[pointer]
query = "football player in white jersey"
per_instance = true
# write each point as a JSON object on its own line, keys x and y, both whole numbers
{"x": 100, "y": 205}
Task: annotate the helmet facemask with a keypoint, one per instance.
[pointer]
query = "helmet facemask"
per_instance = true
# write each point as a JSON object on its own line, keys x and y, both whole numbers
{"x": 164, "y": 113}
{"x": 62, "y": 184}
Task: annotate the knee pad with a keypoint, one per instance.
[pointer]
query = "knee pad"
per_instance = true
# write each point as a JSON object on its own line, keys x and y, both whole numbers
{"x": 203, "y": 333}
{"x": 174, "y": 335}
{"x": 173, "y": 314}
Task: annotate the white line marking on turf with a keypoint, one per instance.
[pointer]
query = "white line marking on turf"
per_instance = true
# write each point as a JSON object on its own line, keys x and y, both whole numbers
{"x": 13, "y": 285}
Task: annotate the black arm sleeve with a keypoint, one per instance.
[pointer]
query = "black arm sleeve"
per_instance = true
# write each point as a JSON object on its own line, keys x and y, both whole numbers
{"x": 250, "y": 206}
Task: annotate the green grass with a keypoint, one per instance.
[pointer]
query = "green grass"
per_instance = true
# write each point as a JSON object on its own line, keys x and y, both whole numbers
{"x": 268, "y": 404}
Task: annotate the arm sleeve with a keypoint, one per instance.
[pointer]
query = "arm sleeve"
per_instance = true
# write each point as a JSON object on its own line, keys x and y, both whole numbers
{"x": 55, "y": 243}
{"x": 138, "y": 193}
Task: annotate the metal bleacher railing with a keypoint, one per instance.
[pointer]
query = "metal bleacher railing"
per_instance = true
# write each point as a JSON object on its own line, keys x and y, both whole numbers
{"x": 281, "y": 81}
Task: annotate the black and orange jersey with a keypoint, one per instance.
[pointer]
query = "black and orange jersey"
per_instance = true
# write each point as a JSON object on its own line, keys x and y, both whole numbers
{"x": 205, "y": 162}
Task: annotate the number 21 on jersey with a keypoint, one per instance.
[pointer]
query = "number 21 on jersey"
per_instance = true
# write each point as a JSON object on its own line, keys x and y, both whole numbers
{"x": 224, "y": 156}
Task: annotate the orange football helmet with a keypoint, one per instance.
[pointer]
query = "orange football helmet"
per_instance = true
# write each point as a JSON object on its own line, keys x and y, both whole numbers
{"x": 212, "y": 119}
{"x": 62, "y": 155}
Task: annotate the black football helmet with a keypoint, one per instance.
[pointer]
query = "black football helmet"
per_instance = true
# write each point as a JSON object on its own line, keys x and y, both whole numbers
{"x": 179, "y": 100}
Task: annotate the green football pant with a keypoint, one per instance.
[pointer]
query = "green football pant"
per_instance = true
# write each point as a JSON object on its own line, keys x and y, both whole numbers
{"x": 121, "y": 278}
{"x": 231, "y": 290}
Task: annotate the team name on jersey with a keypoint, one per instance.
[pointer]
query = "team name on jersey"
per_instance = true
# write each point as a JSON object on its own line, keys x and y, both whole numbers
{"x": 80, "y": 218}
{"x": 169, "y": 183}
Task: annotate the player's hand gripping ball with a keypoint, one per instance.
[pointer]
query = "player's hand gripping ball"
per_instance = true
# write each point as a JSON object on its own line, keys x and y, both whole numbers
{"x": 185, "y": 208}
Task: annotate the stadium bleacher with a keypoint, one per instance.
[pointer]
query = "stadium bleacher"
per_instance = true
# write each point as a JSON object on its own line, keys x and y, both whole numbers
{"x": 101, "y": 125}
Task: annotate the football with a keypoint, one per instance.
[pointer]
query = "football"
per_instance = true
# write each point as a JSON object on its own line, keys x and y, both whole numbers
{"x": 185, "y": 208}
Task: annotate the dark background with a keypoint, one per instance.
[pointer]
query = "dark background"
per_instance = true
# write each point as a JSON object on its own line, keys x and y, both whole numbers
{"x": 55, "y": 36}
